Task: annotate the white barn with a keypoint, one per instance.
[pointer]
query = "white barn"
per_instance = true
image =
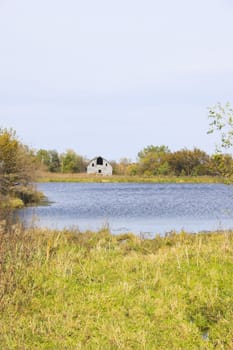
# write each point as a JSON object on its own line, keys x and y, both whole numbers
{"x": 99, "y": 165}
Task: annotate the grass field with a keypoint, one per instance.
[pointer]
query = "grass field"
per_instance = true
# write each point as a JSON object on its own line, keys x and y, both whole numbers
{"x": 71, "y": 290}
{"x": 60, "y": 177}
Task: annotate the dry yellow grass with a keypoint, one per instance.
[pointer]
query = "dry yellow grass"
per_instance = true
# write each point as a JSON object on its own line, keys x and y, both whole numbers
{"x": 60, "y": 177}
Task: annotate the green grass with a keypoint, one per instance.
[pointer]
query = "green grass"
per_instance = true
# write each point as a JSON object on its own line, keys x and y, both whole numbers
{"x": 72, "y": 290}
{"x": 59, "y": 177}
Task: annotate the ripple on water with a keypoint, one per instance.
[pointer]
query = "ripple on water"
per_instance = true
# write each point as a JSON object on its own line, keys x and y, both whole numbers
{"x": 152, "y": 208}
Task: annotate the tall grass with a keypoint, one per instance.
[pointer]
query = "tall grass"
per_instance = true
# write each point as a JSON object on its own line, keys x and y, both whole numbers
{"x": 72, "y": 290}
{"x": 60, "y": 177}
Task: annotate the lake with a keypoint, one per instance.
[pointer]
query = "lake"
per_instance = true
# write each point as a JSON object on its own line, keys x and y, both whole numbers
{"x": 139, "y": 208}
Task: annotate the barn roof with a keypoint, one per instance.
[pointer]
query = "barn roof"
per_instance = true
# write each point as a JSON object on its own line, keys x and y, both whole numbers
{"x": 97, "y": 158}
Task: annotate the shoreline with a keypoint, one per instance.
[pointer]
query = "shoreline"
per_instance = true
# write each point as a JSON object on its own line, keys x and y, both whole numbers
{"x": 84, "y": 178}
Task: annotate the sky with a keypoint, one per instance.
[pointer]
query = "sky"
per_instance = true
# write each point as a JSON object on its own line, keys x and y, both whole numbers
{"x": 111, "y": 77}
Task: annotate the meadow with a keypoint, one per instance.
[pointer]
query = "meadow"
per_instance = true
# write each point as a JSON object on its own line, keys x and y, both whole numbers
{"x": 93, "y": 290}
{"x": 83, "y": 177}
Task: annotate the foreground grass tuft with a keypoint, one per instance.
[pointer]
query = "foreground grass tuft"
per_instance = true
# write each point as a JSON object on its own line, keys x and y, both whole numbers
{"x": 72, "y": 290}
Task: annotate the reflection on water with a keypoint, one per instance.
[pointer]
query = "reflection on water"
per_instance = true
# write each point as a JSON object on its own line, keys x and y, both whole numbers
{"x": 138, "y": 208}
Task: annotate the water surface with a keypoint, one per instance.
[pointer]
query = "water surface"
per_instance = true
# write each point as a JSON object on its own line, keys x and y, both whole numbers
{"x": 138, "y": 208}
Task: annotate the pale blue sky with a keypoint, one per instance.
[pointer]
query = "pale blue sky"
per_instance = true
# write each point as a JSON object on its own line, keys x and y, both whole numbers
{"x": 111, "y": 77}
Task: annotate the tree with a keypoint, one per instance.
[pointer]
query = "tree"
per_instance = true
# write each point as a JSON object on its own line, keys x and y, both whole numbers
{"x": 71, "y": 162}
{"x": 123, "y": 166}
{"x": 44, "y": 158}
{"x": 221, "y": 119}
{"x": 54, "y": 161}
{"x": 16, "y": 162}
{"x": 187, "y": 162}
{"x": 49, "y": 159}
{"x": 17, "y": 166}
{"x": 153, "y": 160}
{"x": 221, "y": 165}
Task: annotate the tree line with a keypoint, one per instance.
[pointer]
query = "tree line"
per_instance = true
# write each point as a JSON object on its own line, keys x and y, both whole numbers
{"x": 152, "y": 160}
{"x": 159, "y": 160}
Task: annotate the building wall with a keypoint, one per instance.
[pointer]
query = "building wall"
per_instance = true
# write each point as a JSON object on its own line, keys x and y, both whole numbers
{"x": 99, "y": 165}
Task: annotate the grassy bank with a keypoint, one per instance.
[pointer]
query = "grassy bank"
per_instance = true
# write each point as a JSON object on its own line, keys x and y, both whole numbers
{"x": 71, "y": 290}
{"x": 59, "y": 177}
{"x": 20, "y": 199}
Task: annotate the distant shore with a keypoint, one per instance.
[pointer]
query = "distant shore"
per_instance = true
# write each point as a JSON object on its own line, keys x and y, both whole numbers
{"x": 83, "y": 177}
